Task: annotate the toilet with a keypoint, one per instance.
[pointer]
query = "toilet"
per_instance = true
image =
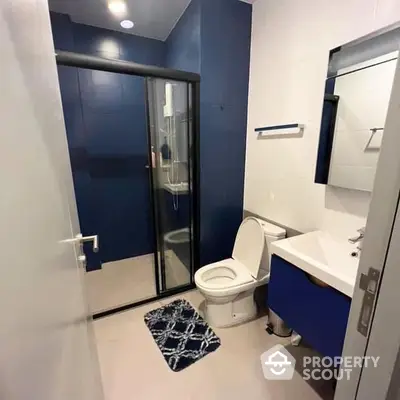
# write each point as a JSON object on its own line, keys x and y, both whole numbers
{"x": 180, "y": 236}
{"x": 228, "y": 286}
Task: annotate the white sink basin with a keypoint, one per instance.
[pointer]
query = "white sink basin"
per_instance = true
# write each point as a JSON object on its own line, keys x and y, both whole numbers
{"x": 322, "y": 256}
{"x": 177, "y": 188}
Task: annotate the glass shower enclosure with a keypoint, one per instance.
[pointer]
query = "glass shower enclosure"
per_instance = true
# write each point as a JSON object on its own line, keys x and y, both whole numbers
{"x": 171, "y": 153}
{"x": 172, "y": 116}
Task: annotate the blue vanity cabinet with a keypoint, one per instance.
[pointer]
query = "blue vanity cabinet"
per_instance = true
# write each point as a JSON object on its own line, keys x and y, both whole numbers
{"x": 318, "y": 314}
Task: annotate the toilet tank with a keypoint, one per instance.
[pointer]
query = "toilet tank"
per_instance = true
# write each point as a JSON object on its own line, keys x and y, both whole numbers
{"x": 271, "y": 233}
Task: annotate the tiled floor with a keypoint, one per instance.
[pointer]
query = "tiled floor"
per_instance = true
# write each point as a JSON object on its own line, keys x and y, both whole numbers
{"x": 131, "y": 280}
{"x": 121, "y": 282}
{"x": 176, "y": 274}
{"x": 133, "y": 367}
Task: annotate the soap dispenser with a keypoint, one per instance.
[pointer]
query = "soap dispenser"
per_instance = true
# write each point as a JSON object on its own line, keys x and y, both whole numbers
{"x": 165, "y": 150}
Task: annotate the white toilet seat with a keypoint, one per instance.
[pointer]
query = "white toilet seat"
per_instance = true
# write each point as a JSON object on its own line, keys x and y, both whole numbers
{"x": 224, "y": 278}
{"x": 178, "y": 237}
{"x": 228, "y": 286}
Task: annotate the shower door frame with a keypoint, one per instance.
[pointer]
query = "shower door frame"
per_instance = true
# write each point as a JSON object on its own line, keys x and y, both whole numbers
{"x": 193, "y": 156}
{"x": 85, "y": 61}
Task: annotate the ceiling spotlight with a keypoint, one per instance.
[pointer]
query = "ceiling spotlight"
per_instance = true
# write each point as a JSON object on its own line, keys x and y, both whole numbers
{"x": 127, "y": 24}
{"x": 117, "y": 7}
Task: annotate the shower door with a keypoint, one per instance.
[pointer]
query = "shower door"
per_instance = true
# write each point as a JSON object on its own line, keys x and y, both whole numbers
{"x": 171, "y": 173}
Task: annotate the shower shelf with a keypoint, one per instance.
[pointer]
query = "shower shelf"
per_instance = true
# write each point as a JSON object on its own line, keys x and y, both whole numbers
{"x": 182, "y": 188}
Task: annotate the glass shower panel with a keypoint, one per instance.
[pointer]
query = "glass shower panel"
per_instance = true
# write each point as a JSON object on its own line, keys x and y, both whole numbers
{"x": 170, "y": 150}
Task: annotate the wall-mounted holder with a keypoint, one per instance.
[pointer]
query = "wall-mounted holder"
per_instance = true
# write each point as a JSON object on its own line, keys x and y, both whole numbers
{"x": 374, "y": 142}
{"x": 277, "y": 131}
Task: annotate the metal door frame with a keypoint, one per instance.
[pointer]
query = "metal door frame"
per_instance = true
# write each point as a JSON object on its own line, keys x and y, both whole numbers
{"x": 193, "y": 178}
{"x": 72, "y": 59}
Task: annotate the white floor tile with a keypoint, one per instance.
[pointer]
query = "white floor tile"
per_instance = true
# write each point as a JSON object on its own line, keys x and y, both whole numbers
{"x": 133, "y": 367}
{"x": 130, "y": 280}
{"x": 176, "y": 274}
{"x": 121, "y": 282}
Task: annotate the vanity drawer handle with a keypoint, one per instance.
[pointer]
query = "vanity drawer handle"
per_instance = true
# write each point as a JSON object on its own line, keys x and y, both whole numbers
{"x": 316, "y": 281}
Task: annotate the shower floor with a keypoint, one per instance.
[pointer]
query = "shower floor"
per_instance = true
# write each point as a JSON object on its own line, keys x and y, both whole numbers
{"x": 130, "y": 280}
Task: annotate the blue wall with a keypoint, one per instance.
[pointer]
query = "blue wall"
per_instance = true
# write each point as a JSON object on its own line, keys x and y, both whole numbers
{"x": 213, "y": 39}
{"x": 184, "y": 42}
{"x": 225, "y": 59}
{"x": 106, "y": 129}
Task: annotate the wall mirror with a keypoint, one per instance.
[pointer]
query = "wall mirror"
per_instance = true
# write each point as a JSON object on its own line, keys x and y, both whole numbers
{"x": 357, "y": 94}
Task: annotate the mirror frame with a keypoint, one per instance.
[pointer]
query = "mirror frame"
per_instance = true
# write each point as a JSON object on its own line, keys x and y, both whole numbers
{"x": 331, "y": 101}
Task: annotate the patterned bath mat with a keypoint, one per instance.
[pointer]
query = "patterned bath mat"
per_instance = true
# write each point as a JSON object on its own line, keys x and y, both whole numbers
{"x": 181, "y": 334}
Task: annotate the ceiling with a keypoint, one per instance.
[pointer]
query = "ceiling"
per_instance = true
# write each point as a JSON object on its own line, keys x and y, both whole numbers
{"x": 153, "y": 18}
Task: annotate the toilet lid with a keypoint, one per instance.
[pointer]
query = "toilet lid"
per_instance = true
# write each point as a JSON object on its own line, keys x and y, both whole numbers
{"x": 249, "y": 245}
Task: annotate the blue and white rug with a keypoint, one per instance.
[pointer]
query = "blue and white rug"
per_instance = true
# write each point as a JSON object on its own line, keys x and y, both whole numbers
{"x": 181, "y": 334}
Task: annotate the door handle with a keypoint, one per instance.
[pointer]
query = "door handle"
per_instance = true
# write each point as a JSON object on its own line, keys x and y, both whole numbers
{"x": 93, "y": 238}
{"x": 82, "y": 239}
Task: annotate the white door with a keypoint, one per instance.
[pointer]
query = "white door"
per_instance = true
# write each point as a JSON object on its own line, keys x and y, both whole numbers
{"x": 384, "y": 336}
{"x": 47, "y": 345}
{"x": 373, "y": 328}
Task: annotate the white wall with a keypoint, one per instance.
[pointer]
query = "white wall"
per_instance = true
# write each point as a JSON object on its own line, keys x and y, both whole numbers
{"x": 289, "y": 57}
{"x": 364, "y": 99}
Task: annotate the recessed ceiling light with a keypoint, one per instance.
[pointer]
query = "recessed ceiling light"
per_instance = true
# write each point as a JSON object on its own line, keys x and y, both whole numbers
{"x": 117, "y": 7}
{"x": 127, "y": 24}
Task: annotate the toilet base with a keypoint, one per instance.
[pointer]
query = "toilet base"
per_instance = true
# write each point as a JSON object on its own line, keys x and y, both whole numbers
{"x": 223, "y": 312}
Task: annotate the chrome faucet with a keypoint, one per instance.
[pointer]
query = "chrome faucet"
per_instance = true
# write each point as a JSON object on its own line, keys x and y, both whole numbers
{"x": 358, "y": 239}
